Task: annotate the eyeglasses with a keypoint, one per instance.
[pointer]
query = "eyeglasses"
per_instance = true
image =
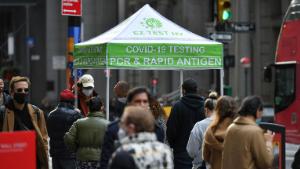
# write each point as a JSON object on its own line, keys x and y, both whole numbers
{"x": 20, "y": 90}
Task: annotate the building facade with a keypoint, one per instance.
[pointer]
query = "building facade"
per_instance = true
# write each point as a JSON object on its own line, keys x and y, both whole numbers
{"x": 40, "y": 35}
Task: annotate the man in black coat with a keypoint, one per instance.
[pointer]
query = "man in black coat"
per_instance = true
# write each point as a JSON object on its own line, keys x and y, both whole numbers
{"x": 58, "y": 123}
{"x": 184, "y": 114}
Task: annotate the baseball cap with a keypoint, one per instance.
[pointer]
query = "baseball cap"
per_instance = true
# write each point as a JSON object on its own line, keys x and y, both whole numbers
{"x": 66, "y": 95}
{"x": 87, "y": 80}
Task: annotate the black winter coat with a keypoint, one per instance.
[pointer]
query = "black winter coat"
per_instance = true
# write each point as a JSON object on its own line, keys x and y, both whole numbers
{"x": 123, "y": 160}
{"x": 111, "y": 137}
{"x": 184, "y": 114}
{"x": 58, "y": 123}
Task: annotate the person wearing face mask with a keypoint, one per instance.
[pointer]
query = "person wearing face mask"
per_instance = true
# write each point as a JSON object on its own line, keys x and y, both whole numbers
{"x": 20, "y": 115}
{"x": 138, "y": 96}
{"x": 85, "y": 92}
{"x": 139, "y": 146}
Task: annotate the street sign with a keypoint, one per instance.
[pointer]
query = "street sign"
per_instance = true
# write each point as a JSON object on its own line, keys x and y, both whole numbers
{"x": 59, "y": 62}
{"x": 71, "y": 7}
{"x": 242, "y": 26}
{"x": 221, "y": 36}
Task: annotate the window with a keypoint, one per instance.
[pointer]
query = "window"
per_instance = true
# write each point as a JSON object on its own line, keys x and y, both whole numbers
{"x": 284, "y": 86}
{"x": 293, "y": 12}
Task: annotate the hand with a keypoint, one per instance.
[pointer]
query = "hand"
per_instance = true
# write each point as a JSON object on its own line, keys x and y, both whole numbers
{"x": 269, "y": 136}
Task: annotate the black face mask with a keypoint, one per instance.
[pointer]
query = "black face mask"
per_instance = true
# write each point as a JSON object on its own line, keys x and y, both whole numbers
{"x": 21, "y": 98}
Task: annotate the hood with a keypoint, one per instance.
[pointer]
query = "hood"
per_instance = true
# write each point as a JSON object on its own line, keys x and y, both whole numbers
{"x": 96, "y": 114}
{"x": 193, "y": 100}
{"x": 216, "y": 139}
{"x": 139, "y": 138}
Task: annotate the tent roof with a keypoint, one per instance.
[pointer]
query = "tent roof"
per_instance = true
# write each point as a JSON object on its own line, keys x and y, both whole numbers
{"x": 148, "y": 26}
{"x": 147, "y": 40}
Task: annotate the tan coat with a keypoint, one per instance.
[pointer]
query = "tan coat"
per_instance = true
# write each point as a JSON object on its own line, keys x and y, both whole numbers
{"x": 213, "y": 144}
{"x": 245, "y": 146}
{"x": 40, "y": 128}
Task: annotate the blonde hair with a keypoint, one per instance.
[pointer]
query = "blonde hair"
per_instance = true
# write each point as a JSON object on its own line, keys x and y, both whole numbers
{"x": 17, "y": 79}
{"x": 142, "y": 118}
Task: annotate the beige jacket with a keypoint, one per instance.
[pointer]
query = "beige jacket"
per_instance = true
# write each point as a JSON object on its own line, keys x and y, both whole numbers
{"x": 245, "y": 146}
{"x": 213, "y": 144}
{"x": 40, "y": 128}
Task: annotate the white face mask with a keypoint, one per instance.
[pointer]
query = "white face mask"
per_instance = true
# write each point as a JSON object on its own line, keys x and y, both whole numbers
{"x": 87, "y": 92}
{"x": 121, "y": 134}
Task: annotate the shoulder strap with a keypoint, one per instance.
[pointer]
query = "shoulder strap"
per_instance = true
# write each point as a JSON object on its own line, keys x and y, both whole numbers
{"x": 36, "y": 111}
{"x": 19, "y": 121}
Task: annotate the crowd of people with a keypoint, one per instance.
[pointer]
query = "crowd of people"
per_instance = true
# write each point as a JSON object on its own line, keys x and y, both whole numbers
{"x": 211, "y": 132}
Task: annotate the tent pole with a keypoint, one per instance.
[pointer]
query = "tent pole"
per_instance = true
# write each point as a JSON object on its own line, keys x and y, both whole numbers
{"x": 221, "y": 82}
{"x": 75, "y": 88}
{"x": 181, "y": 81}
{"x": 107, "y": 93}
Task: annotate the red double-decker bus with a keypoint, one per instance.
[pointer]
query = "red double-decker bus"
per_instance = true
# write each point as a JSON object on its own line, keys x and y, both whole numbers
{"x": 287, "y": 74}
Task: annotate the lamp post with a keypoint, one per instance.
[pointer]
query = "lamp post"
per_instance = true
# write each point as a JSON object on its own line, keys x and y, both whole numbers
{"x": 246, "y": 64}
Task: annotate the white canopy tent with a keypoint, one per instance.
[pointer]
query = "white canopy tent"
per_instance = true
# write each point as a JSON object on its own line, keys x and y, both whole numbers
{"x": 149, "y": 41}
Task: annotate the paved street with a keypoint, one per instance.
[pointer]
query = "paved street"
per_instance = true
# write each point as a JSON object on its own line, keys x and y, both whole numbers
{"x": 290, "y": 152}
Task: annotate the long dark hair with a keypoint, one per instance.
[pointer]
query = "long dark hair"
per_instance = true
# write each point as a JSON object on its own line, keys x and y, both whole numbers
{"x": 226, "y": 107}
{"x": 156, "y": 108}
{"x": 250, "y": 105}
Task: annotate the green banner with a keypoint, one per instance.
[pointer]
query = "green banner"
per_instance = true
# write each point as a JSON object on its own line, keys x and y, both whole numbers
{"x": 150, "y": 56}
{"x": 90, "y": 56}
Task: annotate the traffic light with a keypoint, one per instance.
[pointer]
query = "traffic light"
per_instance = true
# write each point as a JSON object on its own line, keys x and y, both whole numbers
{"x": 224, "y": 10}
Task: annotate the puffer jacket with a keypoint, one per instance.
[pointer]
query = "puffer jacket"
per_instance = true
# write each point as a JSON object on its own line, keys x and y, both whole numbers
{"x": 141, "y": 151}
{"x": 86, "y": 135}
{"x": 111, "y": 137}
{"x": 58, "y": 123}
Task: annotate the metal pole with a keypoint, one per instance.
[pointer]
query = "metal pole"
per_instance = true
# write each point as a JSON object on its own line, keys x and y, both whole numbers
{"x": 75, "y": 88}
{"x": 246, "y": 82}
{"x": 221, "y": 82}
{"x": 27, "y": 36}
{"x": 181, "y": 81}
{"x": 107, "y": 93}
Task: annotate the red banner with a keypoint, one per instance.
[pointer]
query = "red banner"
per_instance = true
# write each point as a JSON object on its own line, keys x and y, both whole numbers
{"x": 18, "y": 150}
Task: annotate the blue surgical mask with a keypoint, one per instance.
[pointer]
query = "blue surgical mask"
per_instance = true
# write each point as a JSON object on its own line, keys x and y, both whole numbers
{"x": 87, "y": 92}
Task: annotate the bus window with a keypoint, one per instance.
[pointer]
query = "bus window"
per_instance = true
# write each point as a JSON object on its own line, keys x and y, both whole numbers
{"x": 284, "y": 86}
{"x": 293, "y": 12}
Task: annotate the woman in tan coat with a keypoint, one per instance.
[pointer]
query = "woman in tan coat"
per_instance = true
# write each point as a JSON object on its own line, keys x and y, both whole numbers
{"x": 215, "y": 133}
{"x": 246, "y": 146}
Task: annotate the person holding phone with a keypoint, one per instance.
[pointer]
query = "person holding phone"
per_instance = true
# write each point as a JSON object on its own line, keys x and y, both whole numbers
{"x": 246, "y": 145}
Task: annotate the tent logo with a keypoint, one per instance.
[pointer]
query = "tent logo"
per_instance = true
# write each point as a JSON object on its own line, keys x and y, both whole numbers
{"x": 151, "y": 23}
